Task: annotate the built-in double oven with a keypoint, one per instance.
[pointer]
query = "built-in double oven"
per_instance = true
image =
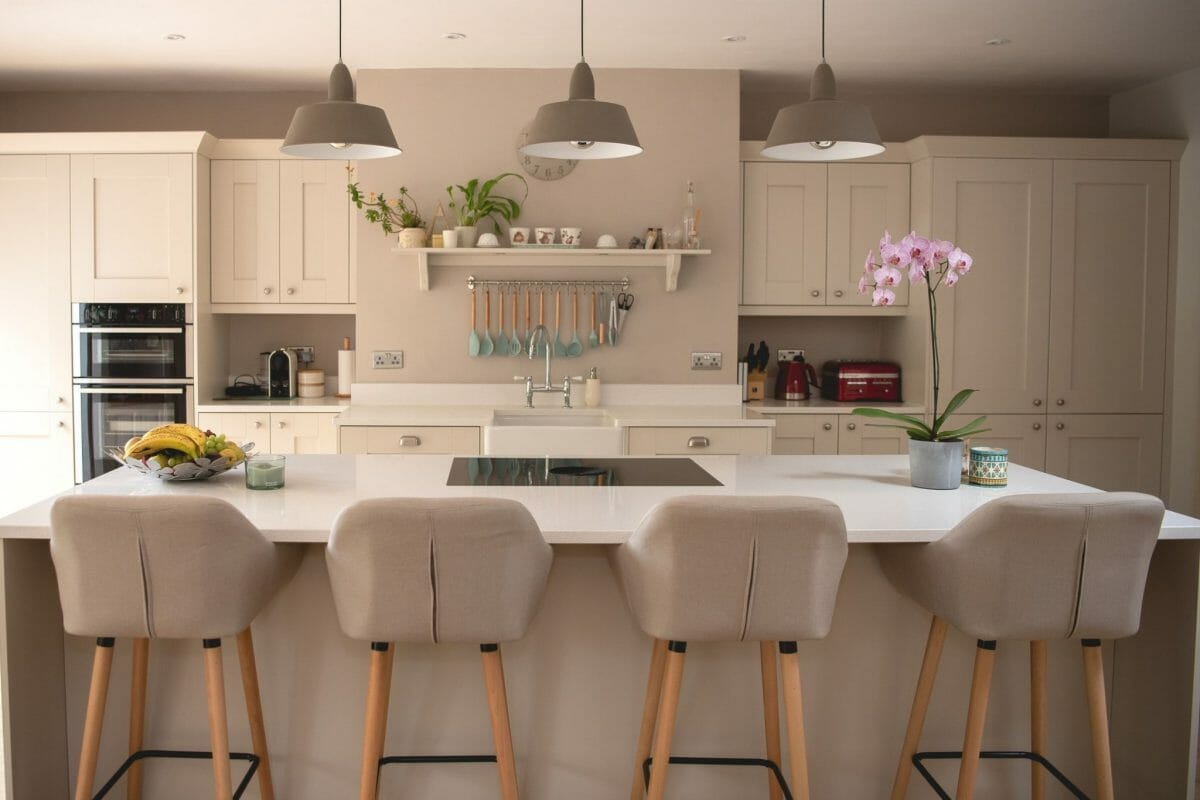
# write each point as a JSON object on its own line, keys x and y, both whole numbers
{"x": 131, "y": 373}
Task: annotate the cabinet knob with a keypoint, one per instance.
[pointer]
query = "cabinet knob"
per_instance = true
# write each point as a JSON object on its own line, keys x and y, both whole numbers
{"x": 62, "y": 424}
{"x": 838, "y": 293}
{"x": 178, "y": 290}
{"x": 281, "y": 424}
{"x": 291, "y": 290}
{"x": 1037, "y": 426}
{"x": 410, "y": 441}
{"x": 1060, "y": 425}
{"x": 266, "y": 290}
{"x": 257, "y": 424}
{"x": 59, "y": 400}
{"x": 827, "y": 426}
{"x": 816, "y": 292}
{"x": 850, "y": 426}
{"x": 1060, "y": 402}
{"x": 698, "y": 441}
{"x": 1037, "y": 401}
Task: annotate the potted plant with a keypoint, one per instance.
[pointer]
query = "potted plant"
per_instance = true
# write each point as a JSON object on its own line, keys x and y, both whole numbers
{"x": 934, "y": 450}
{"x": 476, "y": 203}
{"x": 399, "y": 215}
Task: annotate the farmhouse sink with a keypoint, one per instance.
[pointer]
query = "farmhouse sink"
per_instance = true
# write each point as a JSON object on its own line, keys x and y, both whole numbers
{"x": 559, "y": 432}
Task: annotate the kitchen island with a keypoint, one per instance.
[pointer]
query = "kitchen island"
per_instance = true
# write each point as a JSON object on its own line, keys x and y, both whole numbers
{"x": 576, "y": 681}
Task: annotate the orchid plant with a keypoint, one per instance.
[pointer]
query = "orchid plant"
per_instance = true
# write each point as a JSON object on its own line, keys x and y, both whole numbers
{"x": 936, "y": 264}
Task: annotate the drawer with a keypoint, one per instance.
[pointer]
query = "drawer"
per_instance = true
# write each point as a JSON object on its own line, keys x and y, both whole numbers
{"x": 427, "y": 440}
{"x": 739, "y": 441}
{"x": 805, "y": 434}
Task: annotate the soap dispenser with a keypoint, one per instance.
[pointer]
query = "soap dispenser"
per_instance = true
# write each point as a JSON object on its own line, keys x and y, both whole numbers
{"x": 591, "y": 389}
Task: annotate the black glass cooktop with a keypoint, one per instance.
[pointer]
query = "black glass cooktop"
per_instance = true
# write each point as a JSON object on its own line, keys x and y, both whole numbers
{"x": 478, "y": 471}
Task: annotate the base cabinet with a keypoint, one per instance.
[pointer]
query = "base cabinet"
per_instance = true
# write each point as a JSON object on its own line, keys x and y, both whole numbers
{"x": 674, "y": 441}
{"x": 1114, "y": 452}
{"x": 417, "y": 440}
{"x": 283, "y": 433}
{"x": 857, "y": 438}
{"x": 1022, "y": 435}
{"x": 42, "y": 444}
{"x": 805, "y": 435}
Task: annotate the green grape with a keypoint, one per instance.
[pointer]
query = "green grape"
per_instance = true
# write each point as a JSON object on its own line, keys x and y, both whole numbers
{"x": 171, "y": 462}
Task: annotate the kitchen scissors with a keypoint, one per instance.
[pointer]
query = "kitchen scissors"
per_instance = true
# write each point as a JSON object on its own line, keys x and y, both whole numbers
{"x": 624, "y": 301}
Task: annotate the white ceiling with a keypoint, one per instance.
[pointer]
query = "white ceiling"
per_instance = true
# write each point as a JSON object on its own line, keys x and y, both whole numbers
{"x": 1073, "y": 46}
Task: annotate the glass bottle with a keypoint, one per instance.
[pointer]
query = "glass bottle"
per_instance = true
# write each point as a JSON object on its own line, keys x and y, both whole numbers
{"x": 691, "y": 238}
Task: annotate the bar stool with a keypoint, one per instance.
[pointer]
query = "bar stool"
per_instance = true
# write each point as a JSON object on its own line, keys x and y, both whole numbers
{"x": 436, "y": 571}
{"x": 731, "y": 569}
{"x": 1027, "y": 567}
{"x": 165, "y": 567}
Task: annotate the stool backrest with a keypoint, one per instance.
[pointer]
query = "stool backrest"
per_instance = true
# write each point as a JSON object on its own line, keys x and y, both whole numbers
{"x": 158, "y": 566}
{"x": 1072, "y": 564}
{"x": 712, "y": 568}
{"x": 437, "y": 570}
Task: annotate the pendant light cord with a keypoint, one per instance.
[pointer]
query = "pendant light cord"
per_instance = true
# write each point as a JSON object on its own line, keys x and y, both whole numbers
{"x": 822, "y": 30}
{"x": 340, "y": 31}
{"x": 581, "y": 55}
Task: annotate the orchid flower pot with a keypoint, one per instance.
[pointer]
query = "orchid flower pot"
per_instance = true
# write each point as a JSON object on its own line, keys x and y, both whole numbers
{"x": 935, "y": 465}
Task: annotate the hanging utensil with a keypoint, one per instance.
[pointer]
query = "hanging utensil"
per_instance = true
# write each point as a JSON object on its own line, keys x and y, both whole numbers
{"x": 624, "y": 303}
{"x": 543, "y": 344}
{"x": 488, "y": 346}
{"x": 514, "y": 344}
{"x": 613, "y": 330}
{"x": 603, "y": 335}
{"x": 501, "y": 337}
{"x": 560, "y": 347}
{"x": 473, "y": 339}
{"x": 575, "y": 348}
{"x": 593, "y": 337}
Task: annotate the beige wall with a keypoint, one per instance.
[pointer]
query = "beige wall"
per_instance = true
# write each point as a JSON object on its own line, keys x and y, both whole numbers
{"x": 1171, "y": 108}
{"x": 902, "y": 117}
{"x": 458, "y": 124}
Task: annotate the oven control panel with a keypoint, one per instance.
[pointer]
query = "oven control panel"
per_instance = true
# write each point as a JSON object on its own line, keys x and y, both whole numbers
{"x": 122, "y": 314}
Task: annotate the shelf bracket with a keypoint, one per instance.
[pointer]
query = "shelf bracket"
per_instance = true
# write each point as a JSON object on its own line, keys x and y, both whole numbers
{"x": 423, "y": 271}
{"x": 674, "y": 262}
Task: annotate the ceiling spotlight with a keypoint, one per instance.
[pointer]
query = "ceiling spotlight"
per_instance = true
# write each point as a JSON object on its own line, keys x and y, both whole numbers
{"x": 734, "y": 38}
{"x": 174, "y": 37}
{"x": 454, "y": 36}
{"x": 997, "y": 42}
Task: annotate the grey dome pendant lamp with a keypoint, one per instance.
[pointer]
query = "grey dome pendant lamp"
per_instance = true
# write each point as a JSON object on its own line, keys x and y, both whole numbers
{"x": 582, "y": 126}
{"x": 824, "y": 128}
{"x": 340, "y": 127}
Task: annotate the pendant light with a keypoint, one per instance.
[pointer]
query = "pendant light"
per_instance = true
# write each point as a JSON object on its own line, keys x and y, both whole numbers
{"x": 340, "y": 128}
{"x": 581, "y": 126}
{"x": 824, "y": 128}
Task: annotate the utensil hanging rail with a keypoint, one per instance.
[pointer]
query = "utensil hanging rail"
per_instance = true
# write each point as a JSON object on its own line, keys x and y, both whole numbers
{"x": 519, "y": 284}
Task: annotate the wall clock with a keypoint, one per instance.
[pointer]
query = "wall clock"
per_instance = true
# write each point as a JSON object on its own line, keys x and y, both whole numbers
{"x": 543, "y": 169}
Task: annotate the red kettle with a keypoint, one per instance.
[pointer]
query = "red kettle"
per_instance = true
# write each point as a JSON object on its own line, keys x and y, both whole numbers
{"x": 795, "y": 379}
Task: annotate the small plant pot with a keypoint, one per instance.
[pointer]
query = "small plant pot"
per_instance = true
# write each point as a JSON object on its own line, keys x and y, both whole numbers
{"x": 411, "y": 237}
{"x": 466, "y": 235}
{"x": 935, "y": 465}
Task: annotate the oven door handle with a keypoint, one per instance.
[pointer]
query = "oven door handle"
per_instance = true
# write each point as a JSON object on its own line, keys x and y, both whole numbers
{"x": 101, "y": 329}
{"x": 132, "y": 390}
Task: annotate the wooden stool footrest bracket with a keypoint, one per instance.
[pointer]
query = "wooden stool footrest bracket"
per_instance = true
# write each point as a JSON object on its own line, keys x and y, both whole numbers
{"x": 1004, "y": 754}
{"x": 250, "y": 758}
{"x": 725, "y": 762}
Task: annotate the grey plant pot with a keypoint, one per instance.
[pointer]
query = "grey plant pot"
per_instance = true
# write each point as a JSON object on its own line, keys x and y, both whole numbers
{"x": 935, "y": 465}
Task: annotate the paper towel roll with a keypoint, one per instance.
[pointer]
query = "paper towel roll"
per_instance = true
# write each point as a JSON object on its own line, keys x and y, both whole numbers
{"x": 345, "y": 375}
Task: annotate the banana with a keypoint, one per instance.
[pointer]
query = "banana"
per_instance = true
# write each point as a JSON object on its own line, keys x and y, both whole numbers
{"x": 234, "y": 453}
{"x": 151, "y": 444}
{"x": 191, "y": 432}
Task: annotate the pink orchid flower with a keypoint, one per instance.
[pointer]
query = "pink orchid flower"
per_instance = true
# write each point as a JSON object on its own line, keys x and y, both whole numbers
{"x": 917, "y": 247}
{"x": 885, "y": 240}
{"x": 888, "y": 276}
{"x": 941, "y": 249}
{"x": 951, "y": 278}
{"x": 869, "y": 264}
{"x": 863, "y": 283}
{"x": 960, "y": 262}
{"x": 895, "y": 256}
{"x": 883, "y": 296}
{"x": 916, "y": 273}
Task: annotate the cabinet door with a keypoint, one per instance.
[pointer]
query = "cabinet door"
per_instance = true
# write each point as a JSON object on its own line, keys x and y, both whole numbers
{"x": 314, "y": 232}
{"x": 671, "y": 441}
{"x": 1023, "y": 435}
{"x": 131, "y": 228}
{"x": 245, "y": 231}
{"x": 1108, "y": 289}
{"x": 995, "y": 323}
{"x": 239, "y": 426}
{"x": 42, "y": 443}
{"x": 35, "y": 304}
{"x": 783, "y": 259}
{"x": 805, "y": 435}
{"x": 856, "y": 438}
{"x": 411, "y": 440}
{"x": 864, "y": 201}
{"x": 303, "y": 433}
{"x": 1114, "y": 452}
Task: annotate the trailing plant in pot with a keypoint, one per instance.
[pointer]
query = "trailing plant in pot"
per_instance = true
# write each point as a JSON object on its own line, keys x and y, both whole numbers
{"x": 935, "y": 449}
{"x": 398, "y": 215}
{"x": 475, "y": 202}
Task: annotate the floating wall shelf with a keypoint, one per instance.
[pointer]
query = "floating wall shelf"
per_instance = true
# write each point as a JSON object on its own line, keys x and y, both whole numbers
{"x": 669, "y": 260}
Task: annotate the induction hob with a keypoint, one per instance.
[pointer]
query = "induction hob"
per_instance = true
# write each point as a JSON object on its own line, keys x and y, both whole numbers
{"x": 480, "y": 471}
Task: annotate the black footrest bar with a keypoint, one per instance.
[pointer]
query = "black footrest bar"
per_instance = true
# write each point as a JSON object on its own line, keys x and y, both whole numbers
{"x": 1002, "y": 754}
{"x": 437, "y": 760}
{"x": 725, "y": 762}
{"x": 191, "y": 754}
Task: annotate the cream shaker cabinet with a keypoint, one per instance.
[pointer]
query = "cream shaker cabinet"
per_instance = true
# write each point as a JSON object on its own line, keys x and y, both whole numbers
{"x": 415, "y": 440}
{"x": 805, "y": 434}
{"x": 245, "y": 231}
{"x": 857, "y": 438}
{"x": 314, "y": 232}
{"x": 1022, "y": 435}
{"x": 132, "y": 228}
{"x": 278, "y": 432}
{"x": 808, "y": 228}
{"x": 680, "y": 441}
{"x": 1114, "y": 452}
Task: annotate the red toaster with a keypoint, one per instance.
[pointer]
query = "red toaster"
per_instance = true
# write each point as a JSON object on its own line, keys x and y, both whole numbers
{"x": 851, "y": 381}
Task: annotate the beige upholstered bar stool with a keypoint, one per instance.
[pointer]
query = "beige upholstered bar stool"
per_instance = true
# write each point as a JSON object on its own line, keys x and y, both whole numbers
{"x": 165, "y": 567}
{"x": 731, "y": 569}
{"x": 436, "y": 571}
{"x": 1028, "y": 567}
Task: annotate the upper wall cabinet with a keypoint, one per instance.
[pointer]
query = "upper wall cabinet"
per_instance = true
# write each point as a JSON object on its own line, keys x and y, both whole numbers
{"x": 131, "y": 228}
{"x": 280, "y": 232}
{"x": 808, "y": 228}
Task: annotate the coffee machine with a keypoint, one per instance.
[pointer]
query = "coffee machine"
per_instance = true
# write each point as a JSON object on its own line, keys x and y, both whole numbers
{"x": 282, "y": 367}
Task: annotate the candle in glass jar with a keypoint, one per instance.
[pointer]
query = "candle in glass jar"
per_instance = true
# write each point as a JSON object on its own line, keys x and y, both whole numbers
{"x": 264, "y": 472}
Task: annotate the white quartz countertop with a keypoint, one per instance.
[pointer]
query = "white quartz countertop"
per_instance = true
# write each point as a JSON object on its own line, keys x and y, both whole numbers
{"x": 621, "y": 416}
{"x": 263, "y": 405}
{"x": 819, "y": 405}
{"x": 873, "y": 492}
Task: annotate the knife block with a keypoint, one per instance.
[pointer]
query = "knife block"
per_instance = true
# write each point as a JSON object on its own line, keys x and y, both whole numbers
{"x": 756, "y": 386}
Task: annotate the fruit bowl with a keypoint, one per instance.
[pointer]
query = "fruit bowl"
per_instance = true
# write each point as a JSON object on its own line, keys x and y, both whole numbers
{"x": 197, "y": 469}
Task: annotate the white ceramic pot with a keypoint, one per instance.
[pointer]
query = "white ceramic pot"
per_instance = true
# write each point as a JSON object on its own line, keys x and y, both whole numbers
{"x": 411, "y": 237}
{"x": 935, "y": 465}
{"x": 466, "y": 235}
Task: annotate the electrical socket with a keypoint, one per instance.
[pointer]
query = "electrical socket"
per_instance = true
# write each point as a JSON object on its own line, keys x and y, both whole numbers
{"x": 706, "y": 360}
{"x": 387, "y": 359}
{"x": 785, "y": 354}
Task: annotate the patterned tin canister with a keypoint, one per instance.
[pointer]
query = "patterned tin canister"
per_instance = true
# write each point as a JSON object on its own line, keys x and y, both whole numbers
{"x": 989, "y": 466}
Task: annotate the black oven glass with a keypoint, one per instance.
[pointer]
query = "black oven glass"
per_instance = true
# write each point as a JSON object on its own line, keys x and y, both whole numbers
{"x": 131, "y": 355}
{"x": 109, "y": 419}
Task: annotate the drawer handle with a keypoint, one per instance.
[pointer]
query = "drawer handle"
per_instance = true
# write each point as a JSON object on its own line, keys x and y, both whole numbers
{"x": 257, "y": 424}
{"x": 179, "y": 290}
{"x": 816, "y": 292}
{"x": 281, "y": 424}
{"x": 1037, "y": 401}
{"x": 266, "y": 290}
{"x": 850, "y": 426}
{"x": 62, "y": 424}
{"x": 1037, "y": 426}
{"x": 1060, "y": 426}
{"x": 291, "y": 291}
{"x": 410, "y": 441}
{"x": 1060, "y": 402}
{"x": 828, "y": 426}
{"x": 838, "y": 293}
{"x": 698, "y": 441}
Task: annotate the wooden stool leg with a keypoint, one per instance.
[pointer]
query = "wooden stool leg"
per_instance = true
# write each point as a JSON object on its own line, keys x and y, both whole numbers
{"x": 981, "y": 684}
{"x": 770, "y": 692}
{"x": 497, "y": 696}
{"x": 379, "y": 689}
{"x": 1093, "y": 676}
{"x": 793, "y": 706}
{"x": 1037, "y": 716}
{"x": 665, "y": 728}
{"x": 254, "y": 712}
{"x": 658, "y": 662}
{"x": 137, "y": 715}
{"x": 218, "y": 726}
{"x": 93, "y": 722}
{"x": 920, "y": 706}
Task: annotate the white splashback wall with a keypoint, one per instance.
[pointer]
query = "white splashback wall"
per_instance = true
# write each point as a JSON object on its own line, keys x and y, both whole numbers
{"x": 459, "y": 124}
